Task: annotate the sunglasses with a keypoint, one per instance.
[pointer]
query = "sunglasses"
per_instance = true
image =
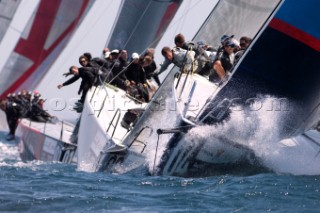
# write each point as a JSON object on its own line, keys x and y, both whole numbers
{"x": 83, "y": 61}
{"x": 231, "y": 45}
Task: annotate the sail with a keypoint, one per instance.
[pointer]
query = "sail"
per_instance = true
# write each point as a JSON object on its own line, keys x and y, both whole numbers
{"x": 235, "y": 17}
{"x": 283, "y": 62}
{"x": 141, "y": 24}
{"x": 42, "y": 40}
{"x": 7, "y": 11}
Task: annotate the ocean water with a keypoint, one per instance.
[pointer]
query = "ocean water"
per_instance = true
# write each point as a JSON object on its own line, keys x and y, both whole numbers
{"x": 56, "y": 187}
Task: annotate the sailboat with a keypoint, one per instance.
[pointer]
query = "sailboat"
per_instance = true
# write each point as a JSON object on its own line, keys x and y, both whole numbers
{"x": 40, "y": 43}
{"x": 48, "y": 29}
{"x": 106, "y": 105}
{"x": 262, "y": 115}
{"x": 283, "y": 117}
{"x": 57, "y": 141}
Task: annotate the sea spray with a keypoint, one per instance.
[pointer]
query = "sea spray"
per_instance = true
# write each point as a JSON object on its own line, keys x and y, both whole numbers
{"x": 247, "y": 135}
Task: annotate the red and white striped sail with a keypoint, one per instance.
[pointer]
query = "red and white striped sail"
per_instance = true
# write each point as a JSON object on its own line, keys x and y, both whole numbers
{"x": 43, "y": 38}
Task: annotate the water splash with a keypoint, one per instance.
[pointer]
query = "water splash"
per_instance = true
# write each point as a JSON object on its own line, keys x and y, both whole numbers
{"x": 8, "y": 149}
{"x": 259, "y": 127}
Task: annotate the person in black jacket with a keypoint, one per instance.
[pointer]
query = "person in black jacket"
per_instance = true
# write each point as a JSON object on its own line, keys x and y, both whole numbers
{"x": 118, "y": 68}
{"x": 150, "y": 67}
{"x": 37, "y": 112}
{"x": 134, "y": 72}
{"x": 13, "y": 113}
{"x": 101, "y": 67}
{"x": 87, "y": 76}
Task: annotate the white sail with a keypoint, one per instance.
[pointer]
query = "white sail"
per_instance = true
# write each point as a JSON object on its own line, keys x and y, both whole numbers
{"x": 7, "y": 11}
{"x": 40, "y": 42}
{"x": 89, "y": 37}
{"x": 235, "y": 17}
{"x": 13, "y": 32}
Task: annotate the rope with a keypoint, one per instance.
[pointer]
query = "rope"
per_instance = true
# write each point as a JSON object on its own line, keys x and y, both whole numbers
{"x": 94, "y": 21}
{"x": 155, "y": 156}
{"x": 136, "y": 26}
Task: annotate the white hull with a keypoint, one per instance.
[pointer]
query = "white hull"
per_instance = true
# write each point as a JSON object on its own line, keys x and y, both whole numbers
{"x": 196, "y": 153}
{"x": 46, "y": 141}
{"x": 100, "y": 126}
{"x": 298, "y": 155}
{"x": 170, "y": 134}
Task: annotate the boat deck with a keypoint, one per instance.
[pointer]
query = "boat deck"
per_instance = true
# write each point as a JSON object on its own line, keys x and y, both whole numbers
{"x": 60, "y": 130}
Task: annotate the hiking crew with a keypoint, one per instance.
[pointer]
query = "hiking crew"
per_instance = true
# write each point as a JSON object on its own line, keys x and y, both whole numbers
{"x": 87, "y": 76}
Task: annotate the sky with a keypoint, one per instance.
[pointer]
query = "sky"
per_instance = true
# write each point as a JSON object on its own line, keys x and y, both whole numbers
{"x": 91, "y": 36}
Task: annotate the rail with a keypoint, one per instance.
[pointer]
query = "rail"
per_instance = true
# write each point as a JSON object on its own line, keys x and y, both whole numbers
{"x": 118, "y": 112}
{"x": 139, "y": 141}
{"x": 102, "y": 85}
{"x": 44, "y": 129}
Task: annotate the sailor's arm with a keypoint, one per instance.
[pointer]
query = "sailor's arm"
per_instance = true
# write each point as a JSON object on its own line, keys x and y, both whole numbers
{"x": 217, "y": 66}
{"x": 163, "y": 66}
{"x": 70, "y": 81}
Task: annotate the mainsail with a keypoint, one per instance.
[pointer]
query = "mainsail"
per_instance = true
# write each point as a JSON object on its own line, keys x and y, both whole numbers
{"x": 141, "y": 24}
{"x": 44, "y": 37}
{"x": 7, "y": 11}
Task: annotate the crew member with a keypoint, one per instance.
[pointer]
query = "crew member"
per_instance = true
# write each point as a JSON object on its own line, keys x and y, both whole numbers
{"x": 13, "y": 113}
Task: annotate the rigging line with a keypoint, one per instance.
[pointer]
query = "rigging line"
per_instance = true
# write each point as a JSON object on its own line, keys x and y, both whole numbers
{"x": 308, "y": 116}
{"x": 134, "y": 29}
{"x": 162, "y": 1}
{"x": 182, "y": 17}
{"x": 136, "y": 26}
{"x": 5, "y": 17}
{"x": 172, "y": 25}
{"x": 155, "y": 156}
{"x": 94, "y": 21}
{"x": 175, "y": 23}
{"x": 121, "y": 72}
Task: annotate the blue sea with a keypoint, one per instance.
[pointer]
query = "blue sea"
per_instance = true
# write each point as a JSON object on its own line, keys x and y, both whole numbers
{"x": 57, "y": 187}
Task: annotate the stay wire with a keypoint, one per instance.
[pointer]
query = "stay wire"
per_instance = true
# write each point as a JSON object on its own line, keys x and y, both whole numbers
{"x": 93, "y": 23}
{"x": 155, "y": 155}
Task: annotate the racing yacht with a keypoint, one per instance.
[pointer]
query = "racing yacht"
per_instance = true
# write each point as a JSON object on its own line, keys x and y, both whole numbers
{"x": 260, "y": 117}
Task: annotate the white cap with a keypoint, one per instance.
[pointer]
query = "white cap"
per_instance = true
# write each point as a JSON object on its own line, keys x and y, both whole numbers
{"x": 107, "y": 54}
{"x": 236, "y": 42}
{"x": 116, "y": 51}
{"x": 135, "y": 56}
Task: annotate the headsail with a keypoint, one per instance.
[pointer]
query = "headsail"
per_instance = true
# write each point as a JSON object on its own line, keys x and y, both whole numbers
{"x": 235, "y": 17}
{"x": 141, "y": 24}
{"x": 42, "y": 40}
